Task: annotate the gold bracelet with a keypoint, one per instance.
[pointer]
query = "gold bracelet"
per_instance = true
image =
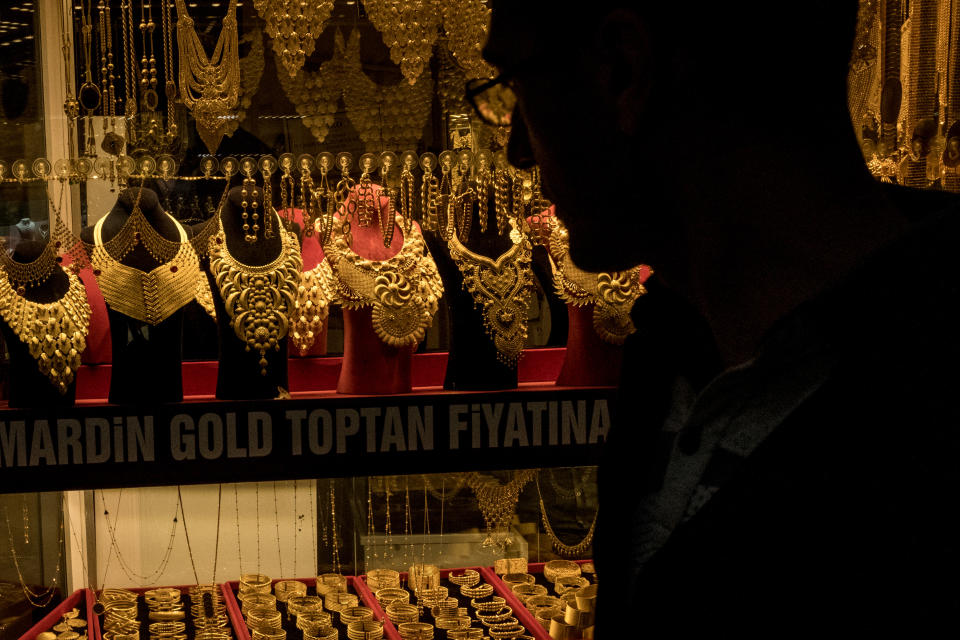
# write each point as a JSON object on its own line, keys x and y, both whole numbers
{"x": 541, "y": 602}
{"x": 556, "y": 569}
{"x": 390, "y": 595}
{"x": 327, "y": 633}
{"x": 506, "y": 631}
{"x": 498, "y": 616}
{"x": 298, "y": 605}
{"x": 480, "y": 591}
{"x": 577, "y": 618}
{"x": 286, "y": 589}
{"x": 518, "y": 578}
{"x": 524, "y": 591}
{"x": 586, "y": 598}
{"x": 277, "y": 634}
{"x": 313, "y": 622}
{"x": 399, "y": 612}
{"x": 415, "y": 631}
{"x": 473, "y": 633}
{"x": 493, "y": 604}
{"x": 560, "y": 630}
{"x": 546, "y": 614}
{"x": 382, "y": 578}
{"x": 255, "y": 582}
{"x": 569, "y": 583}
{"x": 451, "y": 622}
{"x": 158, "y": 628}
{"x": 468, "y": 578}
{"x": 510, "y": 565}
{"x": 365, "y": 630}
{"x": 164, "y": 616}
{"x": 256, "y": 600}
{"x": 340, "y": 600}
{"x": 355, "y": 614}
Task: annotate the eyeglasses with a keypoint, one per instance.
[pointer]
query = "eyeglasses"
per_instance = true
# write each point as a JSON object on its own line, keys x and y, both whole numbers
{"x": 493, "y": 99}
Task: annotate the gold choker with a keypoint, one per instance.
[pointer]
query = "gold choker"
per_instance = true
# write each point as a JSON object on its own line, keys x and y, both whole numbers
{"x": 501, "y": 288}
{"x": 27, "y": 274}
{"x": 404, "y": 290}
{"x": 55, "y": 332}
{"x": 147, "y": 296}
{"x": 259, "y": 299}
{"x": 611, "y": 294}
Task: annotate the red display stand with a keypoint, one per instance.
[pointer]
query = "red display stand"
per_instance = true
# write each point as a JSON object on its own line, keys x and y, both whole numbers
{"x": 82, "y": 599}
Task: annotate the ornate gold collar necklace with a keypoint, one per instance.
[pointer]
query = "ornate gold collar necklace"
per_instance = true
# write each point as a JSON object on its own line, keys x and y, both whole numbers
{"x": 55, "y": 333}
{"x": 501, "y": 288}
{"x": 151, "y": 296}
{"x": 259, "y": 299}
{"x": 403, "y": 290}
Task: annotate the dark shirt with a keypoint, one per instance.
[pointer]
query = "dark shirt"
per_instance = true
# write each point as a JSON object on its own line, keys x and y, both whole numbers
{"x": 812, "y": 487}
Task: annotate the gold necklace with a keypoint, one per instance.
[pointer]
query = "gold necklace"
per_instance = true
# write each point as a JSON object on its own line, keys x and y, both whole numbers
{"x": 152, "y": 577}
{"x": 294, "y": 27}
{"x": 209, "y": 86}
{"x": 566, "y": 550}
{"x": 251, "y": 72}
{"x": 466, "y": 24}
{"x": 148, "y": 296}
{"x": 28, "y": 274}
{"x": 311, "y": 307}
{"x": 403, "y": 290}
{"x": 315, "y": 94}
{"x": 54, "y": 332}
{"x": 501, "y": 288}
{"x": 498, "y": 502}
{"x": 409, "y": 30}
{"x": 258, "y": 299}
{"x": 37, "y": 600}
{"x": 611, "y": 294}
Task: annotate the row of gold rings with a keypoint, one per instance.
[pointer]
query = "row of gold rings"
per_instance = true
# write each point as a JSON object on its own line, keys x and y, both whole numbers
{"x": 297, "y": 605}
{"x": 473, "y": 633}
{"x": 569, "y": 583}
{"x": 524, "y": 591}
{"x": 381, "y": 578}
{"x": 452, "y": 622}
{"x": 313, "y": 621}
{"x": 500, "y": 615}
{"x": 277, "y": 634}
{"x": 493, "y": 604}
{"x": 326, "y": 633}
{"x": 365, "y": 630}
{"x": 340, "y": 600}
{"x": 355, "y": 614}
{"x": 482, "y": 590}
{"x": 286, "y": 589}
{"x": 255, "y": 582}
{"x": 507, "y": 631}
{"x": 255, "y": 599}
{"x": 399, "y": 612}
{"x": 518, "y": 578}
{"x": 556, "y": 569}
{"x": 468, "y": 578}
{"x": 390, "y": 595}
{"x": 415, "y": 631}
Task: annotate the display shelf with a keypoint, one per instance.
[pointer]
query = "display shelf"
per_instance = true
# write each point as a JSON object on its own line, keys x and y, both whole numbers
{"x": 231, "y": 589}
{"x": 81, "y": 598}
{"x": 97, "y": 630}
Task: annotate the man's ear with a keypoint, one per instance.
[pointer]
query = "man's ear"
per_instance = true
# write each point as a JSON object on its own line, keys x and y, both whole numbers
{"x": 625, "y": 76}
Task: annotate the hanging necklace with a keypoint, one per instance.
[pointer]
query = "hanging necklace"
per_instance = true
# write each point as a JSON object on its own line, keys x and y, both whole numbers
{"x": 276, "y": 523}
{"x": 258, "y": 299}
{"x": 209, "y": 86}
{"x": 565, "y": 550}
{"x": 498, "y": 502}
{"x": 294, "y": 27}
{"x": 312, "y": 306}
{"x": 429, "y": 194}
{"x": 42, "y": 599}
{"x": 155, "y": 575}
{"x": 409, "y": 29}
{"x": 236, "y": 513}
{"x": 148, "y": 65}
{"x": 501, "y": 289}
{"x": 89, "y": 95}
{"x": 335, "y": 537}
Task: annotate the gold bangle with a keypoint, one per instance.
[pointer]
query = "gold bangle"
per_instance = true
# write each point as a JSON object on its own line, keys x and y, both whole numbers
{"x": 468, "y": 578}
{"x": 569, "y": 583}
{"x": 278, "y": 634}
{"x": 506, "y": 631}
{"x": 546, "y": 614}
{"x": 478, "y": 592}
{"x": 340, "y": 600}
{"x": 415, "y": 631}
{"x": 390, "y": 595}
{"x": 493, "y": 604}
{"x": 165, "y": 616}
{"x": 473, "y": 633}
{"x": 556, "y": 569}
{"x": 382, "y": 578}
{"x": 560, "y": 630}
{"x": 256, "y": 600}
{"x": 500, "y": 615}
{"x": 400, "y": 612}
{"x": 587, "y": 598}
{"x": 518, "y": 578}
{"x": 297, "y": 605}
{"x": 355, "y": 614}
{"x": 544, "y": 601}
{"x": 286, "y": 589}
{"x": 365, "y": 630}
{"x": 255, "y": 582}
{"x": 312, "y": 622}
{"x": 157, "y": 628}
{"x": 524, "y": 591}
{"x": 510, "y": 565}
{"x": 577, "y": 618}
{"x": 451, "y": 622}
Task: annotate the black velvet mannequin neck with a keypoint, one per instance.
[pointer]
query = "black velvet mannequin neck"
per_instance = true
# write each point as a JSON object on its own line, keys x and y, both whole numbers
{"x": 146, "y": 359}
{"x": 473, "y": 363}
{"x": 28, "y": 387}
{"x": 238, "y": 373}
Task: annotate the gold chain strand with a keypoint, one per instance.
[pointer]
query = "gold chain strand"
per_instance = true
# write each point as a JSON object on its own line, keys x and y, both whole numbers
{"x": 186, "y": 534}
{"x": 43, "y": 599}
{"x": 155, "y": 575}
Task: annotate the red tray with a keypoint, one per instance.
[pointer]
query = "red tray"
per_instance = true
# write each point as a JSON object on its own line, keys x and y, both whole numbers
{"x": 46, "y": 624}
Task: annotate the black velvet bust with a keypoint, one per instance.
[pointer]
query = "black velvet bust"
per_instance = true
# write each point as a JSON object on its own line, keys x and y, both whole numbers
{"x": 146, "y": 359}
{"x": 238, "y": 373}
{"x": 473, "y": 363}
{"x": 28, "y": 387}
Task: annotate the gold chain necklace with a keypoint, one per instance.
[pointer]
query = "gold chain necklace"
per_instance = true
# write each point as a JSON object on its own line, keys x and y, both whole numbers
{"x": 209, "y": 86}
{"x": 37, "y": 600}
{"x": 54, "y": 332}
{"x": 565, "y": 550}
{"x": 611, "y": 294}
{"x": 403, "y": 290}
{"x": 27, "y": 274}
{"x": 294, "y": 27}
{"x": 498, "y": 501}
{"x": 258, "y": 299}
{"x": 501, "y": 288}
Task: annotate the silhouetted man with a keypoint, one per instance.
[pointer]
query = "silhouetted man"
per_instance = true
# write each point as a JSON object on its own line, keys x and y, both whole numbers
{"x": 789, "y": 458}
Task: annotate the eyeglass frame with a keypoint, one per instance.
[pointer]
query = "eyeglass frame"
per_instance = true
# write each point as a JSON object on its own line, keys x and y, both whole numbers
{"x": 472, "y": 90}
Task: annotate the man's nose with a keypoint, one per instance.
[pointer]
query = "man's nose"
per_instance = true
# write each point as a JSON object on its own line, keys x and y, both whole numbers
{"x": 519, "y": 151}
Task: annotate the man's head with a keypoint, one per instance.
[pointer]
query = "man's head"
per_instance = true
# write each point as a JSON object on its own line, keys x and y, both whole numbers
{"x": 617, "y": 98}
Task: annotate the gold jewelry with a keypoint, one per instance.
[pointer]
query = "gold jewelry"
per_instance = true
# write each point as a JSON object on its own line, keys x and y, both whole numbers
{"x": 209, "y": 86}
{"x": 244, "y": 191}
{"x": 524, "y": 591}
{"x": 482, "y": 590}
{"x": 42, "y": 599}
{"x": 468, "y": 578}
{"x": 365, "y": 630}
{"x": 258, "y": 299}
{"x": 466, "y": 25}
{"x": 612, "y": 294}
{"x": 493, "y": 604}
{"x": 152, "y": 296}
{"x": 311, "y": 307}
{"x": 501, "y": 288}
{"x": 556, "y": 569}
{"x": 409, "y": 30}
{"x": 29, "y": 274}
{"x": 415, "y": 630}
{"x": 497, "y": 504}
{"x": 382, "y": 578}
{"x": 294, "y": 27}
{"x": 429, "y": 199}
{"x": 403, "y": 290}
{"x": 355, "y": 614}
{"x": 565, "y": 550}
{"x": 390, "y": 595}
{"x": 400, "y": 612}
